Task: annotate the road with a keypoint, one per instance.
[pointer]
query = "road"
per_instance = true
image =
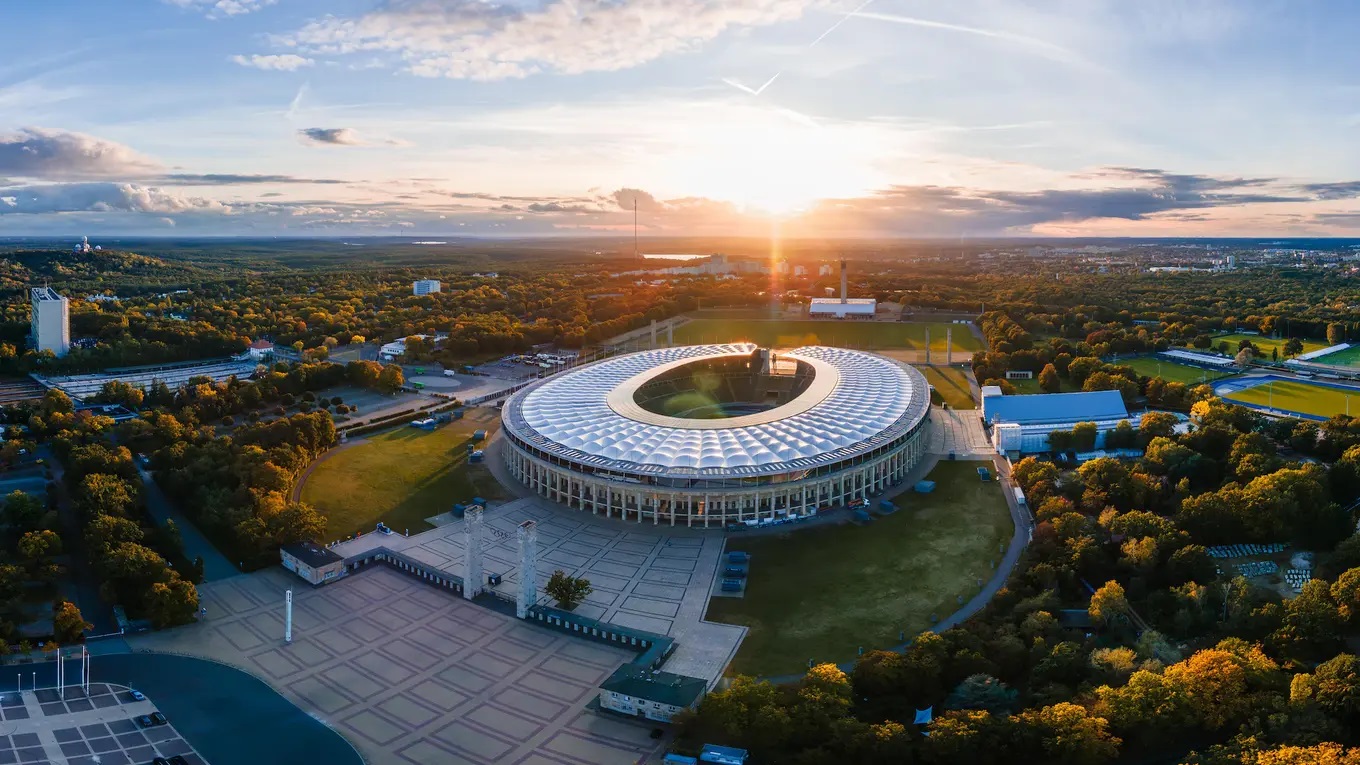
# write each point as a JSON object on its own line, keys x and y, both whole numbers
{"x": 215, "y": 564}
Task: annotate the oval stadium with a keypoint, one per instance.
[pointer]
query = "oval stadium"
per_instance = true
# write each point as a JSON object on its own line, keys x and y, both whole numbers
{"x": 716, "y": 434}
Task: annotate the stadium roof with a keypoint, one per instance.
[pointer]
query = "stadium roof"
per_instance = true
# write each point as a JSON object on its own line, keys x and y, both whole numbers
{"x": 577, "y": 415}
{"x": 1056, "y": 408}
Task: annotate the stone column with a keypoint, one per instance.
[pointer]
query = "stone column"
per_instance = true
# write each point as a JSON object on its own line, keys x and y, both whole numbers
{"x": 528, "y": 568}
{"x": 472, "y": 553}
{"x": 927, "y": 346}
{"x": 949, "y": 346}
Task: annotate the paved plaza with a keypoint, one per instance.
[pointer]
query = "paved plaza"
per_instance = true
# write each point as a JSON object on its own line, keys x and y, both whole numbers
{"x": 94, "y": 728}
{"x": 410, "y": 673}
{"x": 654, "y": 578}
{"x": 958, "y": 431}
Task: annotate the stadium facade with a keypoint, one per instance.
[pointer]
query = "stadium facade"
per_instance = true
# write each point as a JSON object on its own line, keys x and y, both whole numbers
{"x": 714, "y": 434}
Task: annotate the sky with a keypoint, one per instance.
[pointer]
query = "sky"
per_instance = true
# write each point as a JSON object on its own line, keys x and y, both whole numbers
{"x": 805, "y": 118}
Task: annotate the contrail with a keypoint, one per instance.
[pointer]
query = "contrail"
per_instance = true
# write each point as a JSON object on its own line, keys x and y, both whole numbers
{"x": 1055, "y": 52}
{"x": 811, "y": 45}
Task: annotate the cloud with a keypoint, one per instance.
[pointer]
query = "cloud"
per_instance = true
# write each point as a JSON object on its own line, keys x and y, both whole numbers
{"x": 625, "y": 198}
{"x": 1341, "y": 190}
{"x": 558, "y": 207}
{"x": 232, "y": 179}
{"x": 59, "y": 155}
{"x": 286, "y": 62}
{"x": 500, "y": 39}
{"x": 330, "y": 137}
{"x": 216, "y": 9}
{"x": 102, "y": 197}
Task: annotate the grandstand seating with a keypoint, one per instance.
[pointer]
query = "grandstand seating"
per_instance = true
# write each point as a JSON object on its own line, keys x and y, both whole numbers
{"x": 20, "y": 389}
{"x": 82, "y": 386}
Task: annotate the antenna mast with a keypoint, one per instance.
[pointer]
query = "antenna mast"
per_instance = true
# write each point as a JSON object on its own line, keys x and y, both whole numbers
{"x": 636, "y": 256}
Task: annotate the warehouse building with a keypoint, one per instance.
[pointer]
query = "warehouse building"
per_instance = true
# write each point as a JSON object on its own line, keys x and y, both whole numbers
{"x": 1021, "y": 424}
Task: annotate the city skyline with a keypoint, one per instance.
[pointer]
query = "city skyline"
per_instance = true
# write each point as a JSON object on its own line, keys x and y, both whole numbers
{"x": 881, "y": 118}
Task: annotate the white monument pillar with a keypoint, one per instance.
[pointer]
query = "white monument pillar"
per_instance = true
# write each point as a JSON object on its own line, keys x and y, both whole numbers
{"x": 288, "y": 617}
{"x": 653, "y": 333}
{"x": 927, "y": 345}
{"x": 670, "y": 334}
{"x": 472, "y": 553}
{"x": 948, "y": 346}
{"x": 528, "y": 571}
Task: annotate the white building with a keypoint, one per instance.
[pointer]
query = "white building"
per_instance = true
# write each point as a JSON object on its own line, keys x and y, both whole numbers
{"x": 425, "y": 287}
{"x": 656, "y": 696}
{"x": 825, "y": 270}
{"x": 51, "y": 321}
{"x": 261, "y": 349}
{"x": 800, "y": 270}
{"x": 1022, "y": 423}
{"x": 842, "y": 308}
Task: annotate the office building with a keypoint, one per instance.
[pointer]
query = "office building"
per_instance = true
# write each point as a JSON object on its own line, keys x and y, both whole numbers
{"x": 425, "y": 287}
{"x": 51, "y": 321}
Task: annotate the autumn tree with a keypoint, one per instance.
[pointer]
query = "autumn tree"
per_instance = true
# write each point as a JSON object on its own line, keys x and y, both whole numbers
{"x": 68, "y": 626}
{"x": 569, "y": 591}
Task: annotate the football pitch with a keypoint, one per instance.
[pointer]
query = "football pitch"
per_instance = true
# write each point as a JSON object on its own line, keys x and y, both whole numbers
{"x": 1152, "y": 366}
{"x": 1306, "y": 398}
{"x": 1265, "y": 344}
{"x": 866, "y": 335}
{"x": 1350, "y": 357}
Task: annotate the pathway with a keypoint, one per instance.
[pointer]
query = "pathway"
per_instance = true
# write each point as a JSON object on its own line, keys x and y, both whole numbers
{"x": 215, "y": 564}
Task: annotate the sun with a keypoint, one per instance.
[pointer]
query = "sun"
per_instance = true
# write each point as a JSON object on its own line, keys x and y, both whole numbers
{"x": 769, "y": 162}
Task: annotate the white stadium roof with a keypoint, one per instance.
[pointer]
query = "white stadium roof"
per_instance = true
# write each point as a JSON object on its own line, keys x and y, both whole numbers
{"x": 856, "y": 402}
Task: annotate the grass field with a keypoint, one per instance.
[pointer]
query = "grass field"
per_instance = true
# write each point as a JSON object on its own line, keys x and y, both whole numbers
{"x": 1169, "y": 370}
{"x": 951, "y": 386}
{"x": 850, "y": 334}
{"x": 1347, "y": 358}
{"x": 1028, "y": 386}
{"x": 1265, "y": 344}
{"x": 400, "y": 477}
{"x": 1298, "y": 396}
{"x": 821, "y": 594}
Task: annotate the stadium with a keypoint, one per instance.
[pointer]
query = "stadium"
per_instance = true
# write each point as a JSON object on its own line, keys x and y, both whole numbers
{"x": 706, "y": 435}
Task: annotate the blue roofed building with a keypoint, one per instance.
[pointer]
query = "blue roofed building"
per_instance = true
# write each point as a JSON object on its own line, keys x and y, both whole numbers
{"x": 1021, "y": 424}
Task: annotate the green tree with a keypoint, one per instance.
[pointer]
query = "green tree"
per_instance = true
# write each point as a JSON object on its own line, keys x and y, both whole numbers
{"x": 569, "y": 591}
{"x": 981, "y": 692}
{"x": 1336, "y": 334}
{"x": 172, "y": 602}
{"x": 1109, "y": 606}
{"x": 1293, "y": 347}
{"x": 68, "y": 626}
{"x": 1048, "y": 379}
{"x": 391, "y": 379}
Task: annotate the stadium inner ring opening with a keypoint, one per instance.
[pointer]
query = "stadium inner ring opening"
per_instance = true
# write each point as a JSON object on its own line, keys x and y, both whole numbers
{"x": 716, "y": 434}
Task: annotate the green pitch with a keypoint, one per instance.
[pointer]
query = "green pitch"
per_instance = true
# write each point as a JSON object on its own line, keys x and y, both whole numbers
{"x": 1153, "y": 366}
{"x": 1265, "y": 344}
{"x": 867, "y": 335}
{"x": 1298, "y": 396}
{"x": 1347, "y": 358}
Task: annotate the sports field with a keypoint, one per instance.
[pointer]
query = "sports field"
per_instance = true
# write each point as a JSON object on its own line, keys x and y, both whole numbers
{"x": 848, "y": 334}
{"x": 1347, "y": 358}
{"x": 820, "y": 594}
{"x": 1294, "y": 396}
{"x": 950, "y": 384}
{"x": 1152, "y": 366}
{"x": 400, "y": 477}
{"x": 1265, "y": 344}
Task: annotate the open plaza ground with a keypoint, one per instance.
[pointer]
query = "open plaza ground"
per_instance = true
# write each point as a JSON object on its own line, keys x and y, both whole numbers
{"x": 401, "y": 477}
{"x": 1265, "y": 344}
{"x": 1311, "y": 399}
{"x": 950, "y": 384}
{"x": 866, "y": 335}
{"x": 822, "y": 595}
{"x": 1153, "y": 366}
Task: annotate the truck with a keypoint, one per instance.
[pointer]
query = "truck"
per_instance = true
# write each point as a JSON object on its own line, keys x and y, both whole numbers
{"x": 449, "y": 373}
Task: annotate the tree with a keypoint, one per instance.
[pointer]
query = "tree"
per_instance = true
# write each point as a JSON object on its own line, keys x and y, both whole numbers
{"x": 1293, "y": 347}
{"x": 1156, "y": 425}
{"x": 1066, "y": 733}
{"x": 568, "y": 591}
{"x": 1245, "y": 356}
{"x": 171, "y": 603}
{"x": 1109, "y": 606}
{"x": 1048, "y": 379}
{"x": 981, "y": 692}
{"x": 1084, "y": 435}
{"x": 1336, "y": 334}
{"x": 390, "y": 380}
{"x": 68, "y": 626}
{"x": 24, "y": 512}
{"x": 38, "y": 548}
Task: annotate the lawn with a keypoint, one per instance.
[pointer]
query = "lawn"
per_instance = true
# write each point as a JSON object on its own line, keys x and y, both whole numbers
{"x": 1347, "y": 358}
{"x": 1170, "y": 371}
{"x": 1265, "y": 344}
{"x": 848, "y": 334}
{"x": 1028, "y": 386}
{"x": 1298, "y": 396}
{"x": 400, "y": 477}
{"x": 951, "y": 386}
{"x": 821, "y": 594}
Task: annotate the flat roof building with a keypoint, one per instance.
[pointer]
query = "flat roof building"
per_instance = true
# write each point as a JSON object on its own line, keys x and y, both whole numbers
{"x": 312, "y": 562}
{"x": 637, "y": 691}
{"x": 858, "y": 307}
{"x": 425, "y": 287}
{"x": 1022, "y": 423}
{"x": 50, "y": 320}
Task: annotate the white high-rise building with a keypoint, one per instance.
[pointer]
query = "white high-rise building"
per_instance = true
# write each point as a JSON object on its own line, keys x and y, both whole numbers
{"x": 51, "y": 321}
{"x": 425, "y": 287}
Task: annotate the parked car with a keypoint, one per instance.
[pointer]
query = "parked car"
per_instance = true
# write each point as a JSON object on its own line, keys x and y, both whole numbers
{"x": 158, "y": 719}
{"x": 145, "y": 721}
{"x": 736, "y": 572}
{"x": 178, "y": 760}
{"x": 137, "y": 695}
{"x": 731, "y": 585}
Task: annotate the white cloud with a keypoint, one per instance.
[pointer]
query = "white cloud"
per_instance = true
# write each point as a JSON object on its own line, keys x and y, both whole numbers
{"x": 35, "y": 152}
{"x": 216, "y": 9}
{"x": 286, "y": 62}
{"x": 103, "y": 197}
{"x": 330, "y": 137}
{"x": 490, "y": 40}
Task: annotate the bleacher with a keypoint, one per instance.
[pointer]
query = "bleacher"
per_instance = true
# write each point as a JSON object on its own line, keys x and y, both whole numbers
{"x": 19, "y": 389}
{"x": 82, "y": 386}
{"x": 1199, "y": 359}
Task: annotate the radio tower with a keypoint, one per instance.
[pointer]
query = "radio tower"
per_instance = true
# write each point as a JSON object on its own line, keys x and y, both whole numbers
{"x": 636, "y": 256}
